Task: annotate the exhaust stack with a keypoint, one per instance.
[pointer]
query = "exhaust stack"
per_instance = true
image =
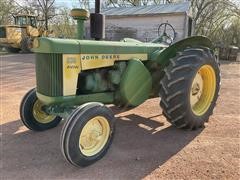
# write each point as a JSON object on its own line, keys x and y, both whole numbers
{"x": 97, "y": 23}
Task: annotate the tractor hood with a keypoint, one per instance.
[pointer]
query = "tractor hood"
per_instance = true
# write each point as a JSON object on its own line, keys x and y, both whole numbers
{"x": 54, "y": 45}
{"x": 74, "y": 46}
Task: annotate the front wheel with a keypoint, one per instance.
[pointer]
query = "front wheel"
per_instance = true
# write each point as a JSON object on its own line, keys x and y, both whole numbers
{"x": 33, "y": 116}
{"x": 190, "y": 87}
{"x": 87, "y": 134}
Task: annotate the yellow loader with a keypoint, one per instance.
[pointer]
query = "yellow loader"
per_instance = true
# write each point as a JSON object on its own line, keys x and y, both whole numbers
{"x": 19, "y": 37}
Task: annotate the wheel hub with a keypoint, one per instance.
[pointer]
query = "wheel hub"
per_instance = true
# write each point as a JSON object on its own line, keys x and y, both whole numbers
{"x": 94, "y": 136}
{"x": 196, "y": 90}
{"x": 91, "y": 137}
{"x": 202, "y": 90}
{"x": 40, "y": 115}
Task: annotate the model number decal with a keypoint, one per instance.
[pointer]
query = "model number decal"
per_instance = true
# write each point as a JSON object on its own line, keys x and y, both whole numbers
{"x": 72, "y": 67}
{"x": 71, "y": 63}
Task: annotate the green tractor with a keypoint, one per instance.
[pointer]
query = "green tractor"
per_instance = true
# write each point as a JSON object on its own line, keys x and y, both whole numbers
{"x": 76, "y": 77}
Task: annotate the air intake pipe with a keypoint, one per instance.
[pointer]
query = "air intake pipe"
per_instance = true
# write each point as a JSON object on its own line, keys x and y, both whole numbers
{"x": 80, "y": 15}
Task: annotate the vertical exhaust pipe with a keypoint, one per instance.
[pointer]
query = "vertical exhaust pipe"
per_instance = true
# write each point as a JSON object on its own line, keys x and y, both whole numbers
{"x": 97, "y": 6}
{"x": 97, "y": 22}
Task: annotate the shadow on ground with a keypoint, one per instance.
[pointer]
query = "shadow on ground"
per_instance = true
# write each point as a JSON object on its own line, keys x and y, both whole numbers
{"x": 140, "y": 146}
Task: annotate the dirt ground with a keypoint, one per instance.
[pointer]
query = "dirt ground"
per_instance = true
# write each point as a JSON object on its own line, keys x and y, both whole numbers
{"x": 145, "y": 145}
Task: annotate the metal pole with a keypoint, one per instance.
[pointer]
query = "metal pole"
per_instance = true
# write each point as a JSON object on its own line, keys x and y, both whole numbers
{"x": 97, "y": 6}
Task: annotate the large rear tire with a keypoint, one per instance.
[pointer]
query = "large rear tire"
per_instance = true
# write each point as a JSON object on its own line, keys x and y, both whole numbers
{"x": 190, "y": 87}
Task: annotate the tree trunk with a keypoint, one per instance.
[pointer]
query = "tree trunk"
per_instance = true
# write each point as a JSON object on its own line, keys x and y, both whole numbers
{"x": 46, "y": 23}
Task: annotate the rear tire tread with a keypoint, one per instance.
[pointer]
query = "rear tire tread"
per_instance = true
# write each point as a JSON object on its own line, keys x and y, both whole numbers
{"x": 174, "y": 84}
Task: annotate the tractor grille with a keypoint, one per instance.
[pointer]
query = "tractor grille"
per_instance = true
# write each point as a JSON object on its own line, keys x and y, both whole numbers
{"x": 49, "y": 74}
{"x": 2, "y": 32}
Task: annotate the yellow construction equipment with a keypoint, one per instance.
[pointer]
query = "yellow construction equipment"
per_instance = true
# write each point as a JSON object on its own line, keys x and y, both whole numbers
{"x": 19, "y": 37}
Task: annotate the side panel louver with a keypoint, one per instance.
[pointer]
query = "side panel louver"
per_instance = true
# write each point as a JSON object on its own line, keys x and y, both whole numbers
{"x": 49, "y": 74}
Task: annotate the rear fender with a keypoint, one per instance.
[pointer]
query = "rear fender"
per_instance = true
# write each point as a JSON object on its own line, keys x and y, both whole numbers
{"x": 162, "y": 57}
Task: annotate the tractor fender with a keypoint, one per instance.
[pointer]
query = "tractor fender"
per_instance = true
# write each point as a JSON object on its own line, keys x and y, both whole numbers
{"x": 162, "y": 57}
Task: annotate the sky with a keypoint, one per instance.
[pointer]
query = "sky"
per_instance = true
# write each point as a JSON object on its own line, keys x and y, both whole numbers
{"x": 71, "y": 3}
{"x": 67, "y": 3}
{"x": 75, "y": 3}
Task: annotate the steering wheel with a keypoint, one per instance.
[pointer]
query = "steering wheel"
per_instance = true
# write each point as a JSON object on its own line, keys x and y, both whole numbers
{"x": 167, "y": 33}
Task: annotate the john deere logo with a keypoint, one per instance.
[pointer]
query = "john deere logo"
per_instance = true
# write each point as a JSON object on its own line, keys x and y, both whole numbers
{"x": 100, "y": 57}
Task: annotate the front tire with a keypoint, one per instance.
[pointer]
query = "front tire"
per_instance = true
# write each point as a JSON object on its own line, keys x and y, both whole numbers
{"x": 32, "y": 115}
{"x": 87, "y": 134}
{"x": 190, "y": 87}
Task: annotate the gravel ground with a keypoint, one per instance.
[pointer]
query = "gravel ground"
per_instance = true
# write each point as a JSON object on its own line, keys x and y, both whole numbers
{"x": 145, "y": 145}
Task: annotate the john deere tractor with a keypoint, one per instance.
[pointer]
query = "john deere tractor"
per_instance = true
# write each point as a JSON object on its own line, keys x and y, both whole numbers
{"x": 19, "y": 36}
{"x": 75, "y": 78}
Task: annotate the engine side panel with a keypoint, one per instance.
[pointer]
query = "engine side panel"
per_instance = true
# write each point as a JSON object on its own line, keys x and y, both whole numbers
{"x": 135, "y": 85}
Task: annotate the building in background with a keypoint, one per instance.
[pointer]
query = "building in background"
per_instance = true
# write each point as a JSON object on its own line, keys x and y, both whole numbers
{"x": 142, "y": 22}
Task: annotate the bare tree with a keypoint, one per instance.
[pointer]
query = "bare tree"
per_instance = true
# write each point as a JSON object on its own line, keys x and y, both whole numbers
{"x": 63, "y": 25}
{"x": 209, "y": 14}
{"x": 5, "y": 13}
{"x": 47, "y": 10}
{"x": 8, "y": 9}
{"x": 217, "y": 20}
{"x": 84, "y": 4}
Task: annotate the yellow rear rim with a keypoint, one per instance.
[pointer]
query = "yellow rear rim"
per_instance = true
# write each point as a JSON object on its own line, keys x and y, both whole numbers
{"x": 94, "y": 136}
{"x": 203, "y": 90}
{"x": 40, "y": 115}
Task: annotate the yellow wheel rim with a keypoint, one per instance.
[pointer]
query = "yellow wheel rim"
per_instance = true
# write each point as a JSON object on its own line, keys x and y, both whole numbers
{"x": 203, "y": 90}
{"x": 40, "y": 115}
{"x": 94, "y": 136}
